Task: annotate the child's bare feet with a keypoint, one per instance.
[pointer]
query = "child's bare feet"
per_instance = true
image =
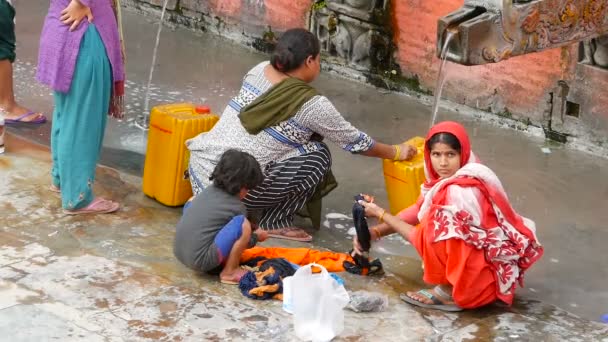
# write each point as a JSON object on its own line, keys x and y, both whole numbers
{"x": 232, "y": 277}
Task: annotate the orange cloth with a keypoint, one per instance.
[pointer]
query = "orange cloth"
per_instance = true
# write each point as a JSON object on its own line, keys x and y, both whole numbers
{"x": 455, "y": 262}
{"x": 300, "y": 256}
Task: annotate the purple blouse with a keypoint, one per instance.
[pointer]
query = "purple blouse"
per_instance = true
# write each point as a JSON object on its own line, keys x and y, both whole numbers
{"x": 59, "y": 47}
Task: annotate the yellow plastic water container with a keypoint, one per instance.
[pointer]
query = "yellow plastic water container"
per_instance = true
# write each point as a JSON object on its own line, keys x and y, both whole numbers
{"x": 404, "y": 178}
{"x": 167, "y": 157}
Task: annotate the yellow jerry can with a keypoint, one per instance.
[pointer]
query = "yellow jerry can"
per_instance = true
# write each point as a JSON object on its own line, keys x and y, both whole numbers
{"x": 404, "y": 178}
{"x": 167, "y": 157}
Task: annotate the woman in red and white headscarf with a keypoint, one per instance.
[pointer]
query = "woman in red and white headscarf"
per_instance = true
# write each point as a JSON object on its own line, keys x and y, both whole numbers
{"x": 474, "y": 246}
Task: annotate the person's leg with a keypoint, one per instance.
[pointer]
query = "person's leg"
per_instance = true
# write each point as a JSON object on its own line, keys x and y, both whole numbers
{"x": 286, "y": 189}
{"x": 231, "y": 241}
{"x": 83, "y": 123}
{"x": 7, "y": 57}
{"x": 7, "y": 98}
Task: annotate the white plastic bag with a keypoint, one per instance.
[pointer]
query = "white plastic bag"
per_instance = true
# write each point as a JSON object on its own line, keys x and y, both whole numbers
{"x": 318, "y": 302}
{"x": 287, "y": 295}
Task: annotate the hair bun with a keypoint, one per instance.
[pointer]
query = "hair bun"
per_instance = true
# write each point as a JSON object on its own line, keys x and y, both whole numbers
{"x": 293, "y": 48}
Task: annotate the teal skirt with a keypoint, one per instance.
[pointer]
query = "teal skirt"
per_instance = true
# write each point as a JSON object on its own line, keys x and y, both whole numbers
{"x": 79, "y": 122}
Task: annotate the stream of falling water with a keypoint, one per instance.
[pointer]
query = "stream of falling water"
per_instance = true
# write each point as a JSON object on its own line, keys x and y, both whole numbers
{"x": 441, "y": 76}
{"x": 145, "y": 118}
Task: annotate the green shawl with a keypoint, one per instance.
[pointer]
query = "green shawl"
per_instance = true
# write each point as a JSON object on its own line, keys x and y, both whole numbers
{"x": 278, "y": 104}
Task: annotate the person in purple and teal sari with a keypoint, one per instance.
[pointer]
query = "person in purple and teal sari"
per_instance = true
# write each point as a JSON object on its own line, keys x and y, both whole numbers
{"x": 81, "y": 58}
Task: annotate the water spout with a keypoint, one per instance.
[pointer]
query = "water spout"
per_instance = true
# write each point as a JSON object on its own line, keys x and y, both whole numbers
{"x": 490, "y": 31}
{"x": 144, "y": 120}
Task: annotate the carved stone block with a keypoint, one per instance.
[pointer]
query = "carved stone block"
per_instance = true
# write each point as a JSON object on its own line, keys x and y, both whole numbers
{"x": 367, "y": 10}
{"x": 595, "y": 52}
{"x": 351, "y": 31}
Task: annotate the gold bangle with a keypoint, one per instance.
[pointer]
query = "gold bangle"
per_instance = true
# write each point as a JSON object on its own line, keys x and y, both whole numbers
{"x": 381, "y": 218}
{"x": 397, "y": 152}
{"x": 378, "y": 235}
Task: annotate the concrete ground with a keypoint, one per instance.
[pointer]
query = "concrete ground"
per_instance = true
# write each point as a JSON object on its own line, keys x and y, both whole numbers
{"x": 114, "y": 278}
{"x": 563, "y": 191}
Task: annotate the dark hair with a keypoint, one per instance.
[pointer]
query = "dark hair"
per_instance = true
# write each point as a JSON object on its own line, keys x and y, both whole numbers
{"x": 237, "y": 170}
{"x": 445, "y": 138}
{"x": 293, "y": 48}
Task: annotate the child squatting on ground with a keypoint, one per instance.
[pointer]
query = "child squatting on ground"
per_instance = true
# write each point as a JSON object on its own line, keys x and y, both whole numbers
{"x": 214, "y": 231}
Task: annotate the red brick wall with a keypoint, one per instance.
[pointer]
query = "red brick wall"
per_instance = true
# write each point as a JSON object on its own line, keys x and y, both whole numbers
{"x": 279, "y": 14}
{"x": 519, "y": 84}
{"x": 230, "y": 8}
{"x": 282, "y": 14}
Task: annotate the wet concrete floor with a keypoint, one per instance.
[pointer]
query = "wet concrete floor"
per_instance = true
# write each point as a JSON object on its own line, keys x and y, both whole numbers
{"x": 565, "y": 191}
{"x": 114, "y": 278}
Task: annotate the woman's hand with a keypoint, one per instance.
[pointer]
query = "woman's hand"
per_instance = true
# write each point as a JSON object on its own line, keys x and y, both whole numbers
{"x": 75, "y": 13}
{"x": 407, "y": 152}
{"x": 372, "y": 209}
{"x": 357, "y": 246}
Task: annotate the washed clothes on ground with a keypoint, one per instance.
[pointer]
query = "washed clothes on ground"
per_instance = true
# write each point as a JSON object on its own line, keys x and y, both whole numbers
{"x": 196, "y": 232}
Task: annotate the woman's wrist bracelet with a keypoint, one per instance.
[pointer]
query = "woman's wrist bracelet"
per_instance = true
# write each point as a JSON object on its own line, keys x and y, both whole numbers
{"x": 397, "y": 152}
{"x": 381, "y": 217}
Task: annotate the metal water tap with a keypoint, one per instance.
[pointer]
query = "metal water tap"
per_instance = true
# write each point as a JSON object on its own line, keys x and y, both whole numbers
{"x": 489, "y": 31}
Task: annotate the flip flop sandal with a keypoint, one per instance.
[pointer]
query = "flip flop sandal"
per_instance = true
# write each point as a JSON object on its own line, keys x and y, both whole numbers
{"x": 283, "y": 234}
{"x": 98, "y": 206}
{"x": 19, "y": 120}
{"x": 437, "y": 304}
{"x": 241, "y": 274}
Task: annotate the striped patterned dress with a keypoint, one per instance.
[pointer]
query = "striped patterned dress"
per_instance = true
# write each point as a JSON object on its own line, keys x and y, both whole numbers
{"x": 293, "y": 163}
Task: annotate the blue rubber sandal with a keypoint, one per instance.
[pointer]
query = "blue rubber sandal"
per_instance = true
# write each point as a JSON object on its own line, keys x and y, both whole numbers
{"x": 19, "y": 120}
{"x": 437, "y": 303}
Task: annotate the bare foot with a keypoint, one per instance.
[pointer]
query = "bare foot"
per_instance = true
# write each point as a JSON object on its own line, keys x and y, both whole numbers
{"x": 97, "y": 206}
{"x": 426, "y": 300}
{"x": 290, "y": 233}
{"x": 15, "y": 111}
{"x": 233, "y": 277}
{"x": 438, "y": 298}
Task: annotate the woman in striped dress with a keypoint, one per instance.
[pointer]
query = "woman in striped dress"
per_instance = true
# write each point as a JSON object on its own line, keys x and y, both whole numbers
{"x": 280, "y": 120}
